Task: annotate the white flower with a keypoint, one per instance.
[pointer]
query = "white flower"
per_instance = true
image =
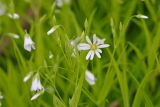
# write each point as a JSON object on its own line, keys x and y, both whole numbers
{"x": 28, "y": 76}
{"x": 2, "y": 9}
{"x": 90, "y": 78}
{"x": 36, "y": 83}
{"x": 141, "y": 16}
{"x": 94, "y": 48}
{"x": 28, "y": 43}
{"x": 35, "y": 96}
{"x": 13, "y": 15}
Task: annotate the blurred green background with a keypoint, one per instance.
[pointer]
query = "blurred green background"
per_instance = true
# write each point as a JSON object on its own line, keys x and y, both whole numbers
{"x": 128, "y": 74}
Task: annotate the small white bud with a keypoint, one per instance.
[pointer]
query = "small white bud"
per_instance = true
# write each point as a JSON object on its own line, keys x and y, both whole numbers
{"x": 14, "y": 35}
{"x": 28, "y": 76}
{"x": 52, "y": 29}
{"x": 90, "y": 78}
{"x": 13, "y": 16}
{"x": 141, "y": 16}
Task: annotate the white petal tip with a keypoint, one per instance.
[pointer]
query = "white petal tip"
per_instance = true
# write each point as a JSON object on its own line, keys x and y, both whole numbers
{"x": 34, "y": 97}
{"x": 90, "y": 78}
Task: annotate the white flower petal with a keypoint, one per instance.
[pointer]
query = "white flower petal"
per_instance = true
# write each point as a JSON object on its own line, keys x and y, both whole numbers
{"x": 36, "y": 83}
{"x": 28, "y": 43}
{"x": 92, "y": 55}
{"x": 28, "y": 48}
{"x": 90, "y": 78}
{"x": 94, "y": 38}
{"x": 83, "y": 46}
{"x": 54, "y": 28}
{"x": 33, "y": 46}
{"x": 88, "y": 40}
{"x": 28, "y": 76}
{"x": 37, "y": 95}
{"x": 97, "y": 53}
{"x": 100, "y": 41}
{"x": 89, "y": 54}
{"x": 99, "y": 50}
{"x": 103, "y": 46}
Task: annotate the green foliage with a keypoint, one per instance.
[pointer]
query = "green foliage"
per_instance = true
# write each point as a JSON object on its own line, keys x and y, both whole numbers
{"x": 127, "y": 75}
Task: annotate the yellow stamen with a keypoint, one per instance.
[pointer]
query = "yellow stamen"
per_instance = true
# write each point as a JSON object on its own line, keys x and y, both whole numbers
{"x": 93, "y": 47}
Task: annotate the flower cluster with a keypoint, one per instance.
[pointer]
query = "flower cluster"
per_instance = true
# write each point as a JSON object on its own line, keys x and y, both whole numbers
{"x": 10, "y": 15}
{"x": 94, "y": 47}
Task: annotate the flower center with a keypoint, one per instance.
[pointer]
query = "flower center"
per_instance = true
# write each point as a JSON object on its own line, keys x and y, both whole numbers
{"x": 93, "y": 47}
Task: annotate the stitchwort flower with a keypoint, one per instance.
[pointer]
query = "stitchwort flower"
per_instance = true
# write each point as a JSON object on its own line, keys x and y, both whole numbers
{"x": 28, "y": 43}
{"x": 36, "y": 86}
{"x": 93, "y": 47}
{"x": 36, "y": 83}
